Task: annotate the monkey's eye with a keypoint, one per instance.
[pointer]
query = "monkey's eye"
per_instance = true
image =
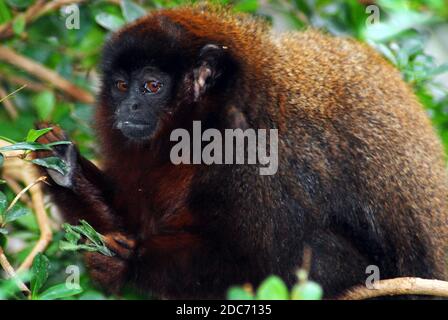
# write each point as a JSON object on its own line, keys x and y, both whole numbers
{"x": 152, "y": 86}
{"x": 121, "y": 85}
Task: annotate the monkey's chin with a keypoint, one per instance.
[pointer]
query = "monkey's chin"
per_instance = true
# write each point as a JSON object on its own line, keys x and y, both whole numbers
{"x": 136, "y": 131}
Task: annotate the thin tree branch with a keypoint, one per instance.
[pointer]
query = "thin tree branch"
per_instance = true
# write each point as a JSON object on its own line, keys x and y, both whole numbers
{"x": 29, "y": 84}
{"x": 12, "y": 93}
{"x": 11, "y": 273}
{"x": 27, "y": 173}
{"x": 46, "y": 235}
{"x": 36, "y": 69}
{"x": 9, "y": 106}
{"x": 398, "y": 286}
{"x": 21, "y": 193}
{"x": 16, "y": 188}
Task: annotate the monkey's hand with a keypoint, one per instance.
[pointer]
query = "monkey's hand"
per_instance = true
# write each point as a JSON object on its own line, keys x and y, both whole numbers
{"x": 112, "y": 272}
{"x": 66, "y": 152}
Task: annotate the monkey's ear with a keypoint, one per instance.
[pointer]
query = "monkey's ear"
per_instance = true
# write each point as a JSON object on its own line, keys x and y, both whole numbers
{"x": 209, "y": 68}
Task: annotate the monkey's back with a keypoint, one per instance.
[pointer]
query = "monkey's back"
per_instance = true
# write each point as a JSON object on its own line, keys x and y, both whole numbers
{"x": 362, "y": 175}
{"x": 368, "y": 148}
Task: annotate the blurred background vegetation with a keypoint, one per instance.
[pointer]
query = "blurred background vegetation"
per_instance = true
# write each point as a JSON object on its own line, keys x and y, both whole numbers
{"x": 48, "y": 72}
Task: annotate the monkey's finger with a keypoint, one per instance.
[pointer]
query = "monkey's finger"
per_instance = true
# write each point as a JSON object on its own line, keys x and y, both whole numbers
{"x": 58, "y": 134}
{"x": 120, "y": 244}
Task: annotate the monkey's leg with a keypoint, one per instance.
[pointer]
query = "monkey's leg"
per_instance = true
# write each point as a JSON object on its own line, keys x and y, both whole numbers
{"x": 336, "y": 264}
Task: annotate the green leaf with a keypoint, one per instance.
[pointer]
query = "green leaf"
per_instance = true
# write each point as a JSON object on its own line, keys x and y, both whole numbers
{"x": 58, "y": 143}
{"x": 71, "y": 236}
{"x": 75, "y": 233}
{"x": 33, "y": 134}
{"x": 399, "y": 22}
{"x": 90, "y": 232}
{"x": 309, "y": 290}
{"x": 44, "y": 104}
{"x": 273, "y": 288}
{"x": 40, "y": 274}
{"x": 356, "y": 16}
{"x": 15, "y": 213}
{"x": 9, "y": 288}
{"x": 59, "y": 291}
{"x": 5, "y": 13}
{"x": 131, "y": 11}
{"x": 67, "y": 246}
{"x": 6, "y": 138}
{"x": 386, "y": 52}
{"x": 439, "y": 70}
{"x": 246, "y": 6}
{"x": 3, "y": 202}
{"x": 238, "y": 293}
{"x": 20, "y": 4}
{"x": 2, "y": 160}
{"x": 109, "y": 21}
{"x": 92, "y": 295}
{"x": 32, "y": 146}
{"x": 29, "y": 223}
{"x": 19, "y": 23}
{"x": 54, "y": 163}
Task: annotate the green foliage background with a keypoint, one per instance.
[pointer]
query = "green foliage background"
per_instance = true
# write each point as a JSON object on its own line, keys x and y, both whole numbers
{"x": 401, "y": 36}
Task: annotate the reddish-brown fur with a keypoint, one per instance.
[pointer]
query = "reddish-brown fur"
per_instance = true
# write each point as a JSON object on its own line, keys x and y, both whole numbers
{"x": 361, "y": 177}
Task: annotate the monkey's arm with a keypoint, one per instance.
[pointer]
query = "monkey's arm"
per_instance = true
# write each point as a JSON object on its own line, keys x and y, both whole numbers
{"x": 84, "y": 191}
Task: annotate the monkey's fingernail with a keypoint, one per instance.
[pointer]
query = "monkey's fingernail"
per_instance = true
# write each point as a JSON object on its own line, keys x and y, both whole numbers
{"x": 128, "y": 244}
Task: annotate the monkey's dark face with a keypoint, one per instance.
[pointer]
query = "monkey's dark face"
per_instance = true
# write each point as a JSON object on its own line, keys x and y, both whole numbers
{"x": 140, "y": 96}
{"x": 151, "y": 79}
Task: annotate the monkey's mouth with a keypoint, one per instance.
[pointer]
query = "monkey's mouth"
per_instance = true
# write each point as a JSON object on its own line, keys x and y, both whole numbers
{"x": 134, "y": 130}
